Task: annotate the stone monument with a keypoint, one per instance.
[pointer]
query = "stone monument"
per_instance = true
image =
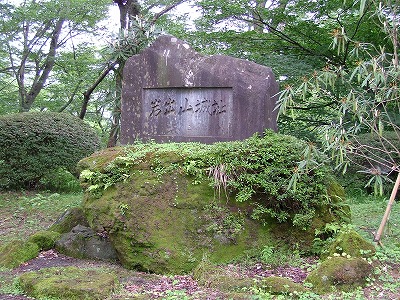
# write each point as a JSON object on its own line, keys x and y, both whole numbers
{"x": 172, "y": 93}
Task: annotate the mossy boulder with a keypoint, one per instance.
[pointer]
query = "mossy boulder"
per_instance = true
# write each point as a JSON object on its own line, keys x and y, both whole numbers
{"x": 69, "y": 283}
{"x": 83, "y": 242}
{"x": 45, "y": 239}
{"x": 167, "y": 227}
{"x": 339, "y": 274}
{"x": 68, "y": 220}
{"x": 281, "y": 285}
{"x": 17, "y": 252}
{"x": 349, "y": 242}
{"x": 164, "y": 206}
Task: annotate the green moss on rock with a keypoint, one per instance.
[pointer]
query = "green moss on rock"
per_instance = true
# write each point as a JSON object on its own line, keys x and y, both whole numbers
{"x": 45, "y": 239}
{"x": 17, "y": 252}
{"x": 339, "y": 273}
{"x": 69, "y": 283}
{"x": 281, "y": 285}
{"x": 68, "y": 220}
{"x": 349, "y": 242}
{"x": 164, "y": 205}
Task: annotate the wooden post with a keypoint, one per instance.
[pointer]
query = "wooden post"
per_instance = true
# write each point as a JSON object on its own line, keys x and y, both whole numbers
{"x": 388, "y": 209}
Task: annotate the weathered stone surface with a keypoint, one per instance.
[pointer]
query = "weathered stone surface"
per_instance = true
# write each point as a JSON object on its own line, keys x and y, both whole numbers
{"x": 68, "y": 220}
{"x": 172, "y": 93}
{"x": 339, "y": 273}
{"x": 83, "y": 242}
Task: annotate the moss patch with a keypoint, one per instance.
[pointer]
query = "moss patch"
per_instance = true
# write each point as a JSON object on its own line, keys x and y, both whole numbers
{"x": 339, "y": 273}
{"x": 351, "y": 243}
{"x": 68, "y": 220}
{"x": 17, "y": 252}
{"x": 165, "y": 205}
{"x": 68, "y": 283}
{"x": 45, "y": 239}
{"x": 280, "y": 285}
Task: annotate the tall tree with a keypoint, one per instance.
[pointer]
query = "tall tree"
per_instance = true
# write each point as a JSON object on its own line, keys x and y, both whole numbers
{"x": 35, "y": 32}
{"x": 294, "y": 38}
{"x": 362, "y": 94}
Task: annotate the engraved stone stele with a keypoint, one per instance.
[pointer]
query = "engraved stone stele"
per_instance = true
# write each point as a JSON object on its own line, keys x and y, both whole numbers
{"x": 172, "y": 93}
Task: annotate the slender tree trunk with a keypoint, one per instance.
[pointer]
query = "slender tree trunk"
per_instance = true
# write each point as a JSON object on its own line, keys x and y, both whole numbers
{"x": 116, "y": 114}
{"x": 89, "y": 91}
{"x": 128, "y": 10}
{"x": 385, "y": 218}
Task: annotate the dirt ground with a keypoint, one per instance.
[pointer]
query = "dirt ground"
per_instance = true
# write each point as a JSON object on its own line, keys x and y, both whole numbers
{"x": 157, "y": 286}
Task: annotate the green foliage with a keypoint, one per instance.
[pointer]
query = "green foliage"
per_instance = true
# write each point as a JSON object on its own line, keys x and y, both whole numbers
{"x": 32, "y": 35}
{"x": 359, "y": 94}
{"x": 258, "y": 168}
{"x": 224, "y": 223}
{"x": 212, "y": 276}
{"x": 33, "y": 145}
{"x": 60, "y": 180}
{"x": 282, "y": 286}
{"x": 280, "y": 255}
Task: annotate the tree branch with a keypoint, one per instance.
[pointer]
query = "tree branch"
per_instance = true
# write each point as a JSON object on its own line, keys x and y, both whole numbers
{"x": 165, "y": 10}
{"x": 89, "y": 91}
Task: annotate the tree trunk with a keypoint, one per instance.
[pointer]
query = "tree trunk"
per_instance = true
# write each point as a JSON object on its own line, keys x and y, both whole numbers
{"x": 42, "y": 72}
{"x": 128, "y": 10}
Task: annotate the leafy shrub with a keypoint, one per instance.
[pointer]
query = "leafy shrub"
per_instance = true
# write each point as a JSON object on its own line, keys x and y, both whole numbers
{"x": 60, "y": 180}
{"x": 35, "y": 144}
{"x": 259, "y": 169}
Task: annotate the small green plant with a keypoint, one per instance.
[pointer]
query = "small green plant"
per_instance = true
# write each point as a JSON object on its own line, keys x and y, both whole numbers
{"x": 123, "y": 208}
{"x": 10, "y": 287}
{"x": 275, "y": 256}
{"x": 223, "y": 222}
{"x": 176, "y": 295}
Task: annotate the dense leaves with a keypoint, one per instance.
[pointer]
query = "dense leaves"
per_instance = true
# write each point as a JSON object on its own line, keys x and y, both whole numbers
{"x": 357, "y": 96}
{"x": 35, "y": 144}
{"x": 258, "y": 168}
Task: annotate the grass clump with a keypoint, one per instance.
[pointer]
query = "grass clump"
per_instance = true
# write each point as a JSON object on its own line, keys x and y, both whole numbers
{"x": 281, "y": 285}
{"x": 210, "y": 275}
